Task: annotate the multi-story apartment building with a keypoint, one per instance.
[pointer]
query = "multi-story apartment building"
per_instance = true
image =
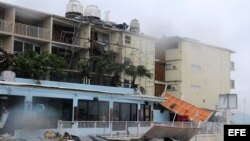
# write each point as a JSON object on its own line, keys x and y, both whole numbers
{"x": 193, "y": 71}
{"x": 189, "y": 68}
{"x": 76, "y": 36}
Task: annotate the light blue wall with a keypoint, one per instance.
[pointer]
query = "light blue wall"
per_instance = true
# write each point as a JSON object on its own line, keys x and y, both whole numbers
{"x": 161, "y": 116}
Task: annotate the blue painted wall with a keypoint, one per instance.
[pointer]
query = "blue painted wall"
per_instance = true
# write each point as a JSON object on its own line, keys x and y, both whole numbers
{"x": 161, "y": 116}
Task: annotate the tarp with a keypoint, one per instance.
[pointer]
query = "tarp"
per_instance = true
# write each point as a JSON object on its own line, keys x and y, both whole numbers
{"x": 184, "y": 108}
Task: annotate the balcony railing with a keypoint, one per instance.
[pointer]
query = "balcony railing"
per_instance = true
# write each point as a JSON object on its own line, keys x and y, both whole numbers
{"x": 5, "y": 26}
{"x": 32, "y": 31}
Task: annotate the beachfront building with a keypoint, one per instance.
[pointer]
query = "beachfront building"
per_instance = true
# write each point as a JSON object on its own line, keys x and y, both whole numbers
{"x": 193, "y": 71}
{"x": 55, "y": 101}
{"x": 85, "y": 109}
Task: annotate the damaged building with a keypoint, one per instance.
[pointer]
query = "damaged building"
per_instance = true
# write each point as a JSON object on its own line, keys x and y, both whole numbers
{"x": 117, "y": 106}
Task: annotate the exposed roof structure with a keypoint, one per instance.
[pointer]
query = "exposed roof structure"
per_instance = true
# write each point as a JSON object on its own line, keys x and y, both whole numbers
{"x": 182, "y": 108}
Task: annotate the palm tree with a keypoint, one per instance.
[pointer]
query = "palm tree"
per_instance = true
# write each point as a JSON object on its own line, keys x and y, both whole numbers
{"x": 137, "y": 71}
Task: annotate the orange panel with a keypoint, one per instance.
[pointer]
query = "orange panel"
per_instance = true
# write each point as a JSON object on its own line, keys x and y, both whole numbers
{"x": 182, "y": 108}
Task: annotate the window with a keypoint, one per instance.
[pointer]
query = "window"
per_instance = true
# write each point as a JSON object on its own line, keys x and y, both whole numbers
{"x": 127, "y": 39}
{"x": 124, "y": 112}
{"x": 37, "y": 49}
{"x": 171, "y": 87}
{"x": 170, "y": 67}
{"x": 195, "y": 88}
{"x": 91, "y": 110}
{"x": 28, "y": 46}
{"x": 20, "y": 46}
{"x": 82, "y": 110}
{"x": 145, "y": 112}
{"x": 196, "y": 68}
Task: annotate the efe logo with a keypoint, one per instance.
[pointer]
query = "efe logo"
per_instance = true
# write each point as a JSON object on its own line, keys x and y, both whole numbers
{"x": 236, "y": 132}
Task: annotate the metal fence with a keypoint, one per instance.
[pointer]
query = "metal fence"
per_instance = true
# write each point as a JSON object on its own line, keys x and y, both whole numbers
{"x": 32, "y": 31}
{"x": 5, "y": 26}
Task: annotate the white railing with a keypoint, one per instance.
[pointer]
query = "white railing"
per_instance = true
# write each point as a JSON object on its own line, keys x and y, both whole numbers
{"x": 32, "y": 31}
{"x": 116, "y": 129}
{"x": 212, "y": 128}
{"x": 5, "y": 26}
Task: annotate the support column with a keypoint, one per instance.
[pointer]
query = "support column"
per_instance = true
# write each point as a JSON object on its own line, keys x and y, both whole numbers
{"x": 28, "y": 104}
{"x": 138, "y": 111}
{"x": 75, "y": 109}
{"x": 8, "y": 44}
{"x": 10, "y": 15}
{"x": 111, "y": 105}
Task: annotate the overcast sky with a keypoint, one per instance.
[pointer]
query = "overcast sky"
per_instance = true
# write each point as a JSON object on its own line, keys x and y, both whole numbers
{"x": 223, "y": 23}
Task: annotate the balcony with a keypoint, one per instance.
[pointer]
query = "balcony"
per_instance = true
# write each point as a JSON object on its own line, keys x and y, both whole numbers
{"x": 5, "y": 26}
{"x": 32, "y": 31}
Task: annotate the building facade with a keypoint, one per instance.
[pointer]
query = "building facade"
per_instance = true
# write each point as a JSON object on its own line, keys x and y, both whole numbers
{"x": 75, "y": 39}
{"x": 193, "y": 71}
{"x": 189, "y": 68}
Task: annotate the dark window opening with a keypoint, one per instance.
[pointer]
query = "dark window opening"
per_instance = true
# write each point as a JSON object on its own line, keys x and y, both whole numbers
{"x": 89, "y": 110}
{"x": 37, "y": 49}
{"x": 127, "y": 39}
{"x": 145, "y": 113}
{"x": 65, "y": 34}
{"x": 28, "y": 46}
{"x": 18, "y": 46}
{"x": 124, "y": 112}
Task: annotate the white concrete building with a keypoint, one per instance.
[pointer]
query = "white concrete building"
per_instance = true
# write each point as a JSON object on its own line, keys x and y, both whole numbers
{"x": 194, "y": 71}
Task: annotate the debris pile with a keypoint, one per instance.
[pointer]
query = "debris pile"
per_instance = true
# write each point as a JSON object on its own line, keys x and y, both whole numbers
{"x": 51, "y": 135}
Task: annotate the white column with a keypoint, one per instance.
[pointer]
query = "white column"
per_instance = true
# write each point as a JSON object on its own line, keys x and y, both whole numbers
{"x": 75, "y": 104}
{"x": 28, "y": 104}
{"x": 111, "y": 105}
{"x": 138, "y": 111}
